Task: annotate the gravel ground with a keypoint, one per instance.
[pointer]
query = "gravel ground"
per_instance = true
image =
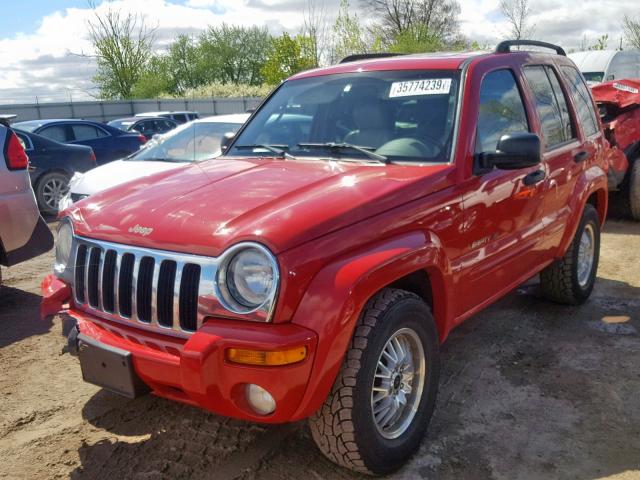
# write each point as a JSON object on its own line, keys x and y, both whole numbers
{"x": 529, "y": 390}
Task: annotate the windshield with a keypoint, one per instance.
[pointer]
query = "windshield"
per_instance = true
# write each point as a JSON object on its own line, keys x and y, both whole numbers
{"x": 593, "y": 76}
{"x": 191, "y": 142}
{"x": 401, "y": 115}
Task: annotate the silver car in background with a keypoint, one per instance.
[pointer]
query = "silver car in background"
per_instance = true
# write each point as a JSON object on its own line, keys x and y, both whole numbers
{"x": 23, "y": 232}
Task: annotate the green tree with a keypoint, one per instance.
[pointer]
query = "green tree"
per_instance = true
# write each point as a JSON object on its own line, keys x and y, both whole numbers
{"x": 183, "y": 64}
{"x": 123, "y": 47}
{"x": 232, "y": 54}
{"x": 416, "y": 39}
{"x": 601, "y": 43}
{"x": 393, "y": 17}
{"x": 288, "y": 56}
{"x": 156, "y": 80}
{"x": 349, "y": 36}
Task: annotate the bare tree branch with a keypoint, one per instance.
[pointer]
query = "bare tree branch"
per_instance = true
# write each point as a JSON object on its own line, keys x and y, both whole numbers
{"x": 632, "y": 31}
{"x": 518, "y": 13}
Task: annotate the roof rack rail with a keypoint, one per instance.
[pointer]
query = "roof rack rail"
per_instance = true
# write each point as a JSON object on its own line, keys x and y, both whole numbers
{"x": 367, "y": 56}
{"x": 505, "y": 47}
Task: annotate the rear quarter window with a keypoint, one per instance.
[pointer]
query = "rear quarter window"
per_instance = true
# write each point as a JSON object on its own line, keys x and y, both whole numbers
{"x": 582, "y": 100}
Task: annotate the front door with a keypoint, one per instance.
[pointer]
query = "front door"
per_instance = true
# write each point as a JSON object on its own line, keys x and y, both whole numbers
{"x": 503, "y": 209}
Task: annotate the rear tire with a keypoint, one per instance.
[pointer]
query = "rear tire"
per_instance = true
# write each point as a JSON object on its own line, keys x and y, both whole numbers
{"x": 634, "y": 190}
{"x": 402, "y": 392}
{"x": 570, "y": 279}
{"x": 50, "y": 189}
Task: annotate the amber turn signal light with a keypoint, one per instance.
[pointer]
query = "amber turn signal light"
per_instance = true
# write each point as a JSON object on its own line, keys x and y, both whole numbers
{"x": 266, "y": 357}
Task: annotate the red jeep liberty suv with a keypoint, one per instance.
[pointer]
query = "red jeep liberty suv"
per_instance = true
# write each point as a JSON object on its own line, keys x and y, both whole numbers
{"x": 313, "y": 270}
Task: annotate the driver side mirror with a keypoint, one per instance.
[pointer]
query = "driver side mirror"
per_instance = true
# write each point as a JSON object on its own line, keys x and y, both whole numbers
{"x": 227, "y": 138}
{"x": 514, "y": 151}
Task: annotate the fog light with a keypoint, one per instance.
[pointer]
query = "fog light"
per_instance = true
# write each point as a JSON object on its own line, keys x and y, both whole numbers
{"x": 259, "y": 399}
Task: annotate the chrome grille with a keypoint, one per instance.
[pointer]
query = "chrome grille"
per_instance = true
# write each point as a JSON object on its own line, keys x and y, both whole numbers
{"x": 151, "y": 289}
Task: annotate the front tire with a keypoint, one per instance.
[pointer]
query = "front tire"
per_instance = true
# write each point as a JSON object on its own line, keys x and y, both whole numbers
{"x": 570, "y": 279}
{"x": 379, "y": 408}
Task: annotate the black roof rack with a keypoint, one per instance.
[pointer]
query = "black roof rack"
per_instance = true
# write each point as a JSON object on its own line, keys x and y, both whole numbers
{"x": 505, "y": 47}
{"x": 367, "y": 56}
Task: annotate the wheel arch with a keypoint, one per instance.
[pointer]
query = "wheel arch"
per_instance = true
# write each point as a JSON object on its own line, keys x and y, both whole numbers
{"x": 590, "y": 188}
{"x": 404, "y": 262}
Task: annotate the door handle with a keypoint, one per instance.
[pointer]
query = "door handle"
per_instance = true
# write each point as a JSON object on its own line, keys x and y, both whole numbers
{"x": 534, "y": 177}
{"x": 581, "y": 156}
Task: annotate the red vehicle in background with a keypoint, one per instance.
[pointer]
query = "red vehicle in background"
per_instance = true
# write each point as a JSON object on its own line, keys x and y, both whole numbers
{"x": 363, "y": 212}
{"x": 619, "y": 105}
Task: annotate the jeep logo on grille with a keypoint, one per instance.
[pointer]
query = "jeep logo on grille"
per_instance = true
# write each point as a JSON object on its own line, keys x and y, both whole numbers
{"x": 144, "y": 231}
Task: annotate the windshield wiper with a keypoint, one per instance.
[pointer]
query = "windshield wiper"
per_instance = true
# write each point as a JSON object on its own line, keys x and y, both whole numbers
{"x": 277, "y": 149}
{"x": 347, "y": 146}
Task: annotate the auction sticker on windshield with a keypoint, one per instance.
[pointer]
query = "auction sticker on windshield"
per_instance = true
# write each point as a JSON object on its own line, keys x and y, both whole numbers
{"x": 432, "y": 86}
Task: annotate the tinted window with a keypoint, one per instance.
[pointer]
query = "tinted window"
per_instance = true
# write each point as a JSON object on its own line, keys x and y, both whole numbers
{"x": 569, "y": 130}
{"x": 55, "y": 132}
{"x": 162, "y": 126}
{"x": 501, "y": 110}
{"x": 86, "y": 132}
{"x": 181, "y": 118}
{"x": 554, "y": 131}
{"x": 405, "y": 115}
{"x": 582, "y": 100}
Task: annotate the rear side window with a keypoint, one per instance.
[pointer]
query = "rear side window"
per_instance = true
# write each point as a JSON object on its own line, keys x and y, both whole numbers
{"x": 86, "y": 132}
{"x": 501, "y": 110}
{"x": 582, "y": 101}
{"x": 57, "y": 133}
{"x": 551, "y": 105}
{"x": 180, "y": 117}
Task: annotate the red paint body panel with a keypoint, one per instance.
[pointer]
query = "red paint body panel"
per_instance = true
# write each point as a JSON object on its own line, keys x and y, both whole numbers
{"x": 341, "y": 232}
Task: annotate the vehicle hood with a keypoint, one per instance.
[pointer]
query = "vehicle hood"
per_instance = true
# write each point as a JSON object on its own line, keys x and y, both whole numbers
{"x": 115, "y": 173}
{"x": 203, "y": 208}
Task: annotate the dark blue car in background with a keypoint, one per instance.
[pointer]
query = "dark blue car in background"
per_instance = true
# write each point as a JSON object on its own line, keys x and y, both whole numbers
{"x": 108, "y": 143}
{"x": 51, "y": 166}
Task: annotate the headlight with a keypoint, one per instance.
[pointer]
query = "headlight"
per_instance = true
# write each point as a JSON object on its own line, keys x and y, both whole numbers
{"x": 247, "y": 278}
{"x": 63, "y": 246}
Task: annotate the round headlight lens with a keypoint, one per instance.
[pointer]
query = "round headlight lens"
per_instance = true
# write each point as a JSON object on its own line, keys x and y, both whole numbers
{"x": 63, "y": 246}
{"x": 250, "y": 277}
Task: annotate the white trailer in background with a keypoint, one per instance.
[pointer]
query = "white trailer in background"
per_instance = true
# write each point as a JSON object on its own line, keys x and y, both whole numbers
{"x": 605, "y": 65}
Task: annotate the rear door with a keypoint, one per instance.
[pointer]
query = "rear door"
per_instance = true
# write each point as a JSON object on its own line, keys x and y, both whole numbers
{"x": 564, "y": 151}
{"x": 96, "y": 138}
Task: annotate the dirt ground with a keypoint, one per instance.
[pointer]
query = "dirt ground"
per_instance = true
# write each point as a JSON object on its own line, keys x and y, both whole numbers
{"x": 529, "y": 390}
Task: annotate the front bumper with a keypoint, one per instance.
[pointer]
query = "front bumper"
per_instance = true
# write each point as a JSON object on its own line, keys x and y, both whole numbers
{"x": 195, "y": 370}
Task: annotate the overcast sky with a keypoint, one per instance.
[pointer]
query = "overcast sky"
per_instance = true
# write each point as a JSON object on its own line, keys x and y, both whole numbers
{"x": 40, "y": 39}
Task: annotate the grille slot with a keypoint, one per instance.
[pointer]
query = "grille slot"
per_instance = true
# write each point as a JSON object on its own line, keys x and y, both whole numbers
{"x": 153, "y": 289}
{"x": 125, "y": 284}
{"x": 189, "y": 296}
{"x": 166, "y": 283}
{"x": 81, "y": 265}
{"x": 144, "y": 287}
{"x": 108, "y": 281}
{"x": 93, "y": 270}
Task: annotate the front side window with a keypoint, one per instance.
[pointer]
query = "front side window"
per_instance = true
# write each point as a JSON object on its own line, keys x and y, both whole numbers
{"x": 582, "y": 100}
{"x": 403, "y": 115}
{"x": 550, "y": 105}
{"x": 595, "y": 77}
{"x": 501, "y": 110}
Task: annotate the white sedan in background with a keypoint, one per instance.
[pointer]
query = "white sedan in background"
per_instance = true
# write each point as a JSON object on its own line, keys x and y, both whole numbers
{"x": 192, "y": 142}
